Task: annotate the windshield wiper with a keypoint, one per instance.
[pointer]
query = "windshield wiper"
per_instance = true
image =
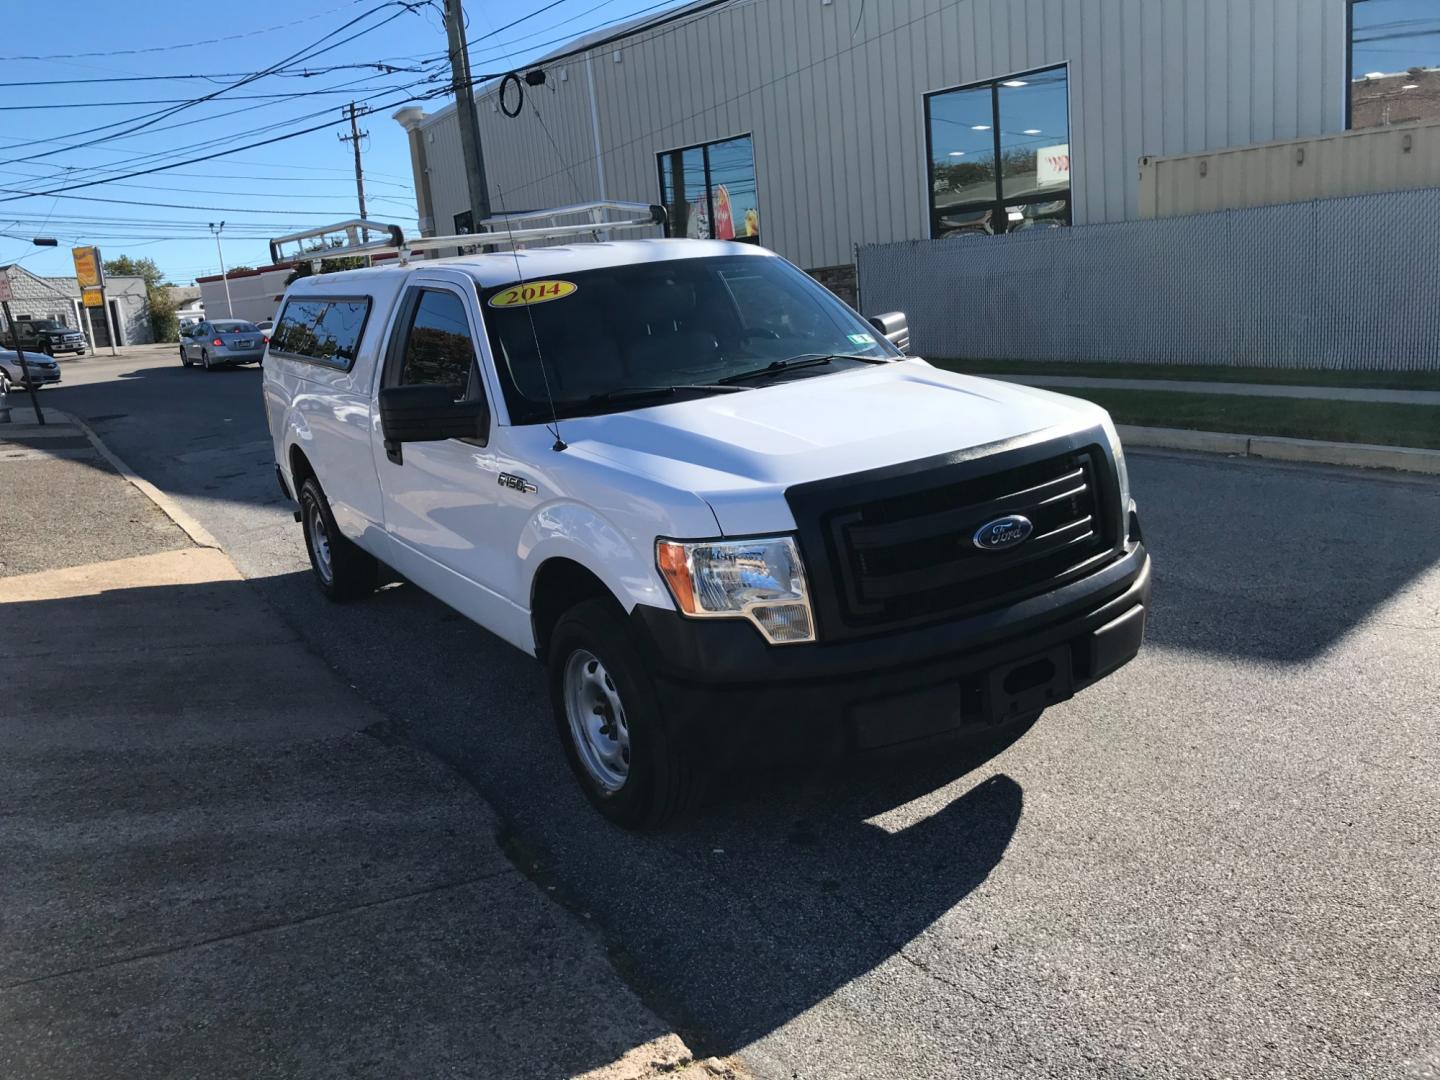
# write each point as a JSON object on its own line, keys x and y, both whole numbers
{"x": 803, "y": 360}
{"x": 627, "y": 393}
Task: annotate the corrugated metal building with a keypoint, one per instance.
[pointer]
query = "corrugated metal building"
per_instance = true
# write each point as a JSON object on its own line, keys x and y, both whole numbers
{"x": 826, "y": 124}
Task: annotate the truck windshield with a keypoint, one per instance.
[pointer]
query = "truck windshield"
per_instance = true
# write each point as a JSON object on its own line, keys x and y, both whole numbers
{"x": 681, "y": 326}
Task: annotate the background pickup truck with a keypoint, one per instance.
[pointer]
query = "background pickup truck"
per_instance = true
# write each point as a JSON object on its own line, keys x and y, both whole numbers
{"x": 45, "y": 336}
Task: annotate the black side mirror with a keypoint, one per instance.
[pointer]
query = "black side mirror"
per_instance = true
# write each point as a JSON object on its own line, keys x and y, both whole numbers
{"x": 430, "y": 413}
{"x": 893, "y": 328}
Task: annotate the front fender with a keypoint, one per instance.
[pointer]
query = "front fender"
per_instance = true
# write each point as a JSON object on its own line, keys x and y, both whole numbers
{"x": 622, "y": 558}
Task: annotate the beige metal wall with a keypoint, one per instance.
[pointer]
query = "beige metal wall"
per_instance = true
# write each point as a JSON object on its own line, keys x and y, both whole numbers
{"x": 1352, "y": 163}
{"x": 832, "y": 93}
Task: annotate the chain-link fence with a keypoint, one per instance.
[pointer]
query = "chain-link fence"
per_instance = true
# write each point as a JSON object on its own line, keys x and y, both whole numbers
{"x": 1348, "y": 282}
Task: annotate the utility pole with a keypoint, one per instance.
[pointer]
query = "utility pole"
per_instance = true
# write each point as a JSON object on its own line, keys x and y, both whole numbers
{"x": 354, "y": 138}
{"x": 217, "y": 229}
{"x": 463, "y": 86}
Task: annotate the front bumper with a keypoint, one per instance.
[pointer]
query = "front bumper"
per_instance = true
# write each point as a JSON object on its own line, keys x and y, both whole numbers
{"x": 724, "y": 688}
{"x": 37, "y": 378}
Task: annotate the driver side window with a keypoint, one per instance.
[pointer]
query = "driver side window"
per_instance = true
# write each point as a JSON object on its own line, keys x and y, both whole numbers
{"x": 438, "y": 346}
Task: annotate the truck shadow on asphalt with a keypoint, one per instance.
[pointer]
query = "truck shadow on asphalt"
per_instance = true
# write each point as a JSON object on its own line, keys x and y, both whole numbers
{"x": 790, "y": 882}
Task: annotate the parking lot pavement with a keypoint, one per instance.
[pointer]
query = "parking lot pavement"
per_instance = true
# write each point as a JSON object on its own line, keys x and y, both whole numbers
{"x": 1220, "y": 862}
{"x": 220, "y": 860}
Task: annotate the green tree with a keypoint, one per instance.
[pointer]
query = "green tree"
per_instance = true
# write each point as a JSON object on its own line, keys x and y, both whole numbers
{"x": 124, "y": 266}
{"x": 164, "y": 326}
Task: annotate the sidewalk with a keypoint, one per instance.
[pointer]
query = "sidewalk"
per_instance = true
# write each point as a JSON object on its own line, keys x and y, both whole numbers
{"x": 217, "y": 863}
{"x": 1183, "y": 386}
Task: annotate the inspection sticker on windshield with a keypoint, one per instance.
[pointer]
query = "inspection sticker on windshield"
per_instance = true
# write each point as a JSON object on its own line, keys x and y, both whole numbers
{"x": 860, "y": 339}
{"x": 532, "y": 292}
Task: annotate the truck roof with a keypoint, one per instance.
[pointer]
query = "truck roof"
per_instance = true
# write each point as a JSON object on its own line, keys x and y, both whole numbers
{"x": 500, "y": 268}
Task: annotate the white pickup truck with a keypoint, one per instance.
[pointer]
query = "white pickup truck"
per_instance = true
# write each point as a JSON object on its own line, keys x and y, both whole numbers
{"x": 728, "y": 513}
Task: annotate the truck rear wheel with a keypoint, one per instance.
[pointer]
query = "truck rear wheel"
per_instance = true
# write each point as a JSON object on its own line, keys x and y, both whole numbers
{"x": 343, "y": 571}
{"x": 619, "y": 745}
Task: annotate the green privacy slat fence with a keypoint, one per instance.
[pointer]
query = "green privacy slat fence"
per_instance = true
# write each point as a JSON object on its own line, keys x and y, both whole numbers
{"x": 1342, "y": 283}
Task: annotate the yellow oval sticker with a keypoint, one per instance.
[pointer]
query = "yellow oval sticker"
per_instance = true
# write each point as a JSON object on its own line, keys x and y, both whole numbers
{"x": 532, "y": 292}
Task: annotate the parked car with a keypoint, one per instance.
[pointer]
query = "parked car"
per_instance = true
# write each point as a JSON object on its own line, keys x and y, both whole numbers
{"x": 222, "y": 343}
{"x": 266, "y": 325}
{"x": 47, "y": 336}
{"x": 44, "y": 371}
{"x": 729, "y": 515}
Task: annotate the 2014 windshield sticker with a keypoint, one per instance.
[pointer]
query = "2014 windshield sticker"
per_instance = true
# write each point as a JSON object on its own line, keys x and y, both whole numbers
{"x": 532, "y": 292}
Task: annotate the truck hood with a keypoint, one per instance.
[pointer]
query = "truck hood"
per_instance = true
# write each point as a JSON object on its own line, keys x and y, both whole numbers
{"x": 740, "y": 451}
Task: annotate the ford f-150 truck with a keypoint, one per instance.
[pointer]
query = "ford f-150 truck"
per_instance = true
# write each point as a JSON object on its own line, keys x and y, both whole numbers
{"x": 46, "y": 336}
{"x": 729, "y": 514}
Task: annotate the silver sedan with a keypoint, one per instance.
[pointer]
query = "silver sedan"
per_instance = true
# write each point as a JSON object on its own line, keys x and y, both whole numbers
{"x": 44, "y": 371}
{"x": 222, "y": 342}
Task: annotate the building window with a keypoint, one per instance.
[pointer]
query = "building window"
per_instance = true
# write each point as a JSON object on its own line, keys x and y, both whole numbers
{"x": 1000, "y": 155}
{"x": 709, "y": 190}
{"x": 1394, "y": 62}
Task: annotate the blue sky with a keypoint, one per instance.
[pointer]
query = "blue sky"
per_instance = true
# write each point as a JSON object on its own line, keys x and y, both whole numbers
{"x": 259, "y": 192}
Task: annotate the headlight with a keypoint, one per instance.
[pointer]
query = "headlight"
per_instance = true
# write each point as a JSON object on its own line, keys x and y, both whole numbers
{"x": 1123, "y": 474}
{"x": 760, "y": 580}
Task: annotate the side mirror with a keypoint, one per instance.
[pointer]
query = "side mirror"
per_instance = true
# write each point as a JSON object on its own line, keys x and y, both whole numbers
{"x": 893, "y": 328}
{"x": 430, "y": 413}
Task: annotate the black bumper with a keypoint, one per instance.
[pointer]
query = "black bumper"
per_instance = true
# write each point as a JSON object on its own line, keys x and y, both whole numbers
{"x": 722, "y": 685}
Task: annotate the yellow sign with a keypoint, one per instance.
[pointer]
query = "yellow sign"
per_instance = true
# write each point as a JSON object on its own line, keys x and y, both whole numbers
{"x": 532, "y": 292}
{"x": 87, "y": 268}
{"x": 93, "y": 296}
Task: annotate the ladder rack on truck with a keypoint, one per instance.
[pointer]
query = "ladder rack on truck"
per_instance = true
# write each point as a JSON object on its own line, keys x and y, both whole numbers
{"x": 504, "y": 229}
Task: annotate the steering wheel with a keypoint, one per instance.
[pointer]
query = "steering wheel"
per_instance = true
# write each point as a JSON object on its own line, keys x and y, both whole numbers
{"x": 760, "y": 331}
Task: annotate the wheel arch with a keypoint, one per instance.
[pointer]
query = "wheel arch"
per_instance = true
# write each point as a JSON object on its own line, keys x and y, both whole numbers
{"x": 558, "y": 585}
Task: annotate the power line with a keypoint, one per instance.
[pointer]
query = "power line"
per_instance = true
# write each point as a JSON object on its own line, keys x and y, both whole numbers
{"x": 195, "y": 160}
{"x": 186, "y": 44}
{"x": 308, "y": 52}
{"x": 216, "y": 76}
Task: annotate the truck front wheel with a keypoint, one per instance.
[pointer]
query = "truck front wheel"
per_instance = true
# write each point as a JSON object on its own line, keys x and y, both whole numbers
{"x": 620, "y": 747}
{"x": 343, "y": 571}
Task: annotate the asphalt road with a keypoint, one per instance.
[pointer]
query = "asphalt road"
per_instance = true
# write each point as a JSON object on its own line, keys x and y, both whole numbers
{"x": 1220, "y": 862}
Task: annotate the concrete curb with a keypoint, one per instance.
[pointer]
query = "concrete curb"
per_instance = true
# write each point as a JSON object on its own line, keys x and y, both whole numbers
{"x": 168, "y": 506}
{"x": 1312, "y": 451}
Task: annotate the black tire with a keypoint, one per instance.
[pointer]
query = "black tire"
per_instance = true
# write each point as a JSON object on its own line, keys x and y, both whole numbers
{"x": 665, "y": 778}
{"x": 184, "y": 357}
{"x": 348, "y": 573}
{"x": 5, "y": 383}
{"x": 205, "y": 360}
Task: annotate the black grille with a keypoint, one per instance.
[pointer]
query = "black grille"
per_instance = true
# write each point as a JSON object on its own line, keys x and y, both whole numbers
{"x": 907, "y": 554}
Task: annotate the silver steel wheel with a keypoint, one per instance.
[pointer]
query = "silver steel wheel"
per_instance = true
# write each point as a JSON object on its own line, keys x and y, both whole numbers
{"x": 598, "y": 725}
{"x": 320, "y": 544}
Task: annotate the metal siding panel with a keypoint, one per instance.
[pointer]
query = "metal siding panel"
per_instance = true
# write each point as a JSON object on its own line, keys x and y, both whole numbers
{"x": 1087, "y": 114}
{"x": 1310, "y": 68}
{"x": 1287, "y": 75}
{"x": 1219, "y": 82}
{"x": 1240, "y": 73}
{"x": 1194, "y": 84}
{"x": 1112, "y": 81}
{"x": 1262, "y": 72}
{"x": 1172, "y": 94}
{"x": 1133, "y": 90}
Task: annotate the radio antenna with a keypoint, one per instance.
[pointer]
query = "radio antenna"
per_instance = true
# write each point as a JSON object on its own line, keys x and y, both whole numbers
{"x": 560, "y": 443}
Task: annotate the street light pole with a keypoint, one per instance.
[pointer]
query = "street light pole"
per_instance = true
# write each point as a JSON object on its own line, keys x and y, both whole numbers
{"x": 229, "y": 307}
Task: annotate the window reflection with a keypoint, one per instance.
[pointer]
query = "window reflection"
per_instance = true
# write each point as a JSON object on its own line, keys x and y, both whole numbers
{"x": 709, "y": 191}
{"x": 1000, "y": 155}
{"x": 1394, "y": 62}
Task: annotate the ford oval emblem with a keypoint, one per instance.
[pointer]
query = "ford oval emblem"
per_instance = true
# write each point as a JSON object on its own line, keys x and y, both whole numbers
{"x": 1003, "y": 533}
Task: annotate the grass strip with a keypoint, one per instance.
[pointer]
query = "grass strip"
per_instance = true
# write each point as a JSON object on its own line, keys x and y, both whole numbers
{"x": 1380, "y": 380}
{"x": 1295, "y": 418}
